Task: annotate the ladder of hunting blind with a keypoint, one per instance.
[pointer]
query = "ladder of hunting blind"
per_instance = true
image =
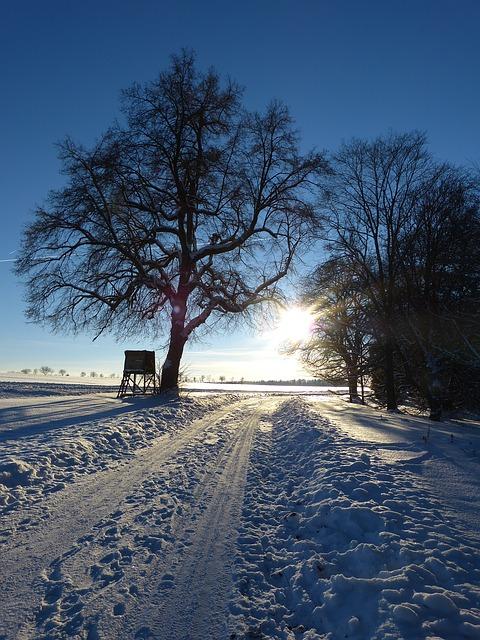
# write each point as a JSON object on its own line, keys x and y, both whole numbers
{"x": 137, "y": 384}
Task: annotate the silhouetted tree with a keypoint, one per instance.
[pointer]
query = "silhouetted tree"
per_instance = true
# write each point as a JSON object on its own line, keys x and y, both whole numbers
{"x": 440, "y": 275}
{"x": 192, "y": 210}
{"x": 338, "y": 347}
{"x": 373, "y": 195}
{"x": 404, "y": 231}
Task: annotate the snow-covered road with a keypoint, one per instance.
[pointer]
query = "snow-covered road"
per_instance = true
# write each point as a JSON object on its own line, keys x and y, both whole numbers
{"x": 227, "y": 516}
{"x": 145, "y": 504}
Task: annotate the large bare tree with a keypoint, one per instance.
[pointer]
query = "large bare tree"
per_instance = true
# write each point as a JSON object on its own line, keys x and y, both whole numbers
{"x": 192, "y": 209}
{"x": 440, "y": 284}
{"x": 372, "y": 205}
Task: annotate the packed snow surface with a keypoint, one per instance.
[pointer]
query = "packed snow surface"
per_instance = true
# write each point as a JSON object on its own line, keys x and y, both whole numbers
{"x": 234, "y": 516}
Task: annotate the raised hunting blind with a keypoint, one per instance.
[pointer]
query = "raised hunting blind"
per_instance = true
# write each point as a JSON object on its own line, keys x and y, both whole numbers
{"x": 139, "y": 375}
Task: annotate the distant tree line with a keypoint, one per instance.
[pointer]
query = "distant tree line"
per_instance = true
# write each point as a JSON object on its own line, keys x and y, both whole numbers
{"x": 396, "y": 297}
{"x": 45, "y": 370}
{"x": 301, "y": 382}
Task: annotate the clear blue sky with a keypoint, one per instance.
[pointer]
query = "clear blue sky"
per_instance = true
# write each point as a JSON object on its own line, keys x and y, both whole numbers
{"x": 344, "y": 67}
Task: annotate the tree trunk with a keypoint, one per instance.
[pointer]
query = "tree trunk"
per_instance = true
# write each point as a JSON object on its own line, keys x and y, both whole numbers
{"x": 434, "y": 388}
{"x": 353, "y": 387}
{"x": 171, "y": 366}
{"x": 390, "y": 377}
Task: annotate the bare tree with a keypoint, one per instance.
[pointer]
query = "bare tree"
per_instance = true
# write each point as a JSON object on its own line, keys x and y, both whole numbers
{"x": 62, "y": 372}
{"x": 440, "y": 270}
{"x": 338, "y": 347}
{"x": 193, "y": 209}
{"x": 372, "y": 205}
{"x": 26, "y": 371}
{"x": 46, "y": 370}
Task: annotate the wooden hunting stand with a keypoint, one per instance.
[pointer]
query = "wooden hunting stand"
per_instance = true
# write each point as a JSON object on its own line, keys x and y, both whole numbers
{"x": 139, "y": 376}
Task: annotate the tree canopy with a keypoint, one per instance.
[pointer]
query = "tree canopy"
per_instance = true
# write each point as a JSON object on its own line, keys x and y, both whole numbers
{"x": 192, "y": 208}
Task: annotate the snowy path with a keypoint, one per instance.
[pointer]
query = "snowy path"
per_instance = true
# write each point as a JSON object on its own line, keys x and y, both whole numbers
{"x": 61, "y": 557}
{"x": 227, "y": 516}
{"x": 339, "y": 542}
{"x": 54, "y": 527}
{"x": 186, "y": 592}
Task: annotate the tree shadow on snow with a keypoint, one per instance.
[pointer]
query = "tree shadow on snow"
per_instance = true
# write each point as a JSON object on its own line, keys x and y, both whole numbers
{"x": 33, "y": 419}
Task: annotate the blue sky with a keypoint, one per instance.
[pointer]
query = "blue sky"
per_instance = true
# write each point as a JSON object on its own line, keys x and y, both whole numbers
{"x": 345, "y": 68}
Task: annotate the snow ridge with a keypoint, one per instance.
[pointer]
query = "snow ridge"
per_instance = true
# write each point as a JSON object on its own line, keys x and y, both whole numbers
{"x": 336, "y": 543}
{"x": 32, "y": 467}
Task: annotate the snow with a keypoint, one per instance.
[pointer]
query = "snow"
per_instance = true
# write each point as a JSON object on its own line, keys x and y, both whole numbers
{"x": 338, "y": 542}
{"x": 42, "y": 448}
{"x": 35, "y": 384}
{"x": 234, "y": 515}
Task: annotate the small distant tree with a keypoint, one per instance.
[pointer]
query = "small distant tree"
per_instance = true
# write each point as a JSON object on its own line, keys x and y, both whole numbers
{"x": 101, "y": 375}
{"x": 194, "y": 209}
{"x": 46, "y": 370}
{"x": 338, "y": 347}
{"x": 83, "y": 374}
{"x": 62, "y": 372}
{"x": 222, "y": 378}
{"x": 113, "y": 375}
{"x": 93, "y": 374}
{"x": 26, "y": 371}
{"x": 35, "y": 371}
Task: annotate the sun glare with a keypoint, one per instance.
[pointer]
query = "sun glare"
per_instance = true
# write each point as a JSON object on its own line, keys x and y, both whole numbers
{"x": 294, "y": 325}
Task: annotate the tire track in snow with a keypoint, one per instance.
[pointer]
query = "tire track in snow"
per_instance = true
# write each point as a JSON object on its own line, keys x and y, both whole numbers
{"x": 179, "y": 586}
{"x": 190, "y": 600}
{"x": 72, "y": 515}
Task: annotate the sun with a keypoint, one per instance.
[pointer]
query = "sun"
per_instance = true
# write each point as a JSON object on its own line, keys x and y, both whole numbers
{"x": 295, "y": 324}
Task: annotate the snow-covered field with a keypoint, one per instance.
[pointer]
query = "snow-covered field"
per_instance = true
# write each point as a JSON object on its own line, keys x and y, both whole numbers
{"x": 234, "y": 515}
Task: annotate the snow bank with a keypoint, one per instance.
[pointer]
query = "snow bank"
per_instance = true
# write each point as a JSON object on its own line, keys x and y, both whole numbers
{"x": 337, "y": 543}
{"x": 34, "y": 466}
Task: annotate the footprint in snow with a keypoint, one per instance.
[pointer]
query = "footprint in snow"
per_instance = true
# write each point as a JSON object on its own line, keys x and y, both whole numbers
{"x": 119, "y": 609}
